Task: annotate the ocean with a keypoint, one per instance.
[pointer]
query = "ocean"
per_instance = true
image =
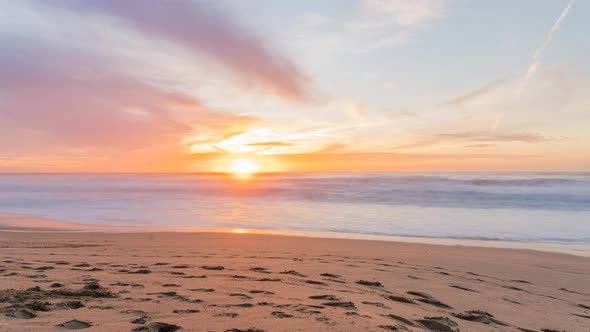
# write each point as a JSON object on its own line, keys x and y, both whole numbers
{"x": 533, "y": 208}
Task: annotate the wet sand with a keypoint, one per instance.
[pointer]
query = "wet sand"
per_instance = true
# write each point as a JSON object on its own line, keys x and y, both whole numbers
{"x": 253, "y": 282}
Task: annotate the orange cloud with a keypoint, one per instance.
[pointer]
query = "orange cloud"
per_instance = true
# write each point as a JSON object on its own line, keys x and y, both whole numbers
{"x": 480, "y": 145}
{"x": 491, "y": 136}
{"x": 270, "y": 144}
{"x": 386, "y": 162}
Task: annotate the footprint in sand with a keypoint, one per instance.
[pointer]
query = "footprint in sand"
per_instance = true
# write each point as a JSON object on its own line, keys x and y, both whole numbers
{"x": 376, "y": 304}
{"x": 75, "y": 324}
{"x": 141, "y": 271}
{"x": 327, "y": 297}
{"x": 331, "y": 275}
{"x": 21, "y": 314}
{"x": 259, "y": 270}
{"x": 195, "y": 277}
{"x": 255, "y": 291}
{"x": 392, "y": 328}
{"x": 439, "y": 324}
{"x": 280, "y": 314}
{"x": 186, "y": 311}
{"x": 340, "y": 304}
{"x": 399, "y": 319}
{"x": 239, "y": 305}
{"x": 314, "y": 282}
{"x": 73, "y": 304}
{"x": 241, "y": 296}
{"x": 204, "y": 290}
{"x": 157, "y": 327}
{"x": 464, "y": 288}
{"x": 429, "y": 299}
{"x": 141, "y": 320}
{"x": 268, "y": 279}
{"x": 293, "y": 272}
{"x": 182, "y": 266}
{"x": 213, "y": 268}
{"x": 521, "y": 281}
{"x": 400, "y": 299}
{"x": 580, "y": 315}
{"x": 480, "y": 317}
{"x": 369, "y": 283}
{"x": 227, "y": 314}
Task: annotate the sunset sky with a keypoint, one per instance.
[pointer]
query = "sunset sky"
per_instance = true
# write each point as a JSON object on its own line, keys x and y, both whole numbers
{"x": 358, "y": 85}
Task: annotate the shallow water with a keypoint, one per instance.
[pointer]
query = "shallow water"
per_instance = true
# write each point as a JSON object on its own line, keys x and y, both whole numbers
{"x": 546, "y": 208}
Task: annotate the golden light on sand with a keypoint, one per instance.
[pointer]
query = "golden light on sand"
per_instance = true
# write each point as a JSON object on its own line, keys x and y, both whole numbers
{"x": 243, "y": 166}
{"x": 239, "y": 231}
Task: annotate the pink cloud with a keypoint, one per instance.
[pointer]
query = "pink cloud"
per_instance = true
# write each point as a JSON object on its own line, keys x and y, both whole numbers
{"x": 65, "y": 99}
{"x": 204, "y": 29}
{"x": 89, "y": 111}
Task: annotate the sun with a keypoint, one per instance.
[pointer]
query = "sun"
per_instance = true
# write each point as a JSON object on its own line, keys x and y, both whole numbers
{"x": 243, "y": 166}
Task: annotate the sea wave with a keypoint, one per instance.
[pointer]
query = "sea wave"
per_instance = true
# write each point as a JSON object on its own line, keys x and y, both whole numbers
{"x": 461, "y": 191}
{"x": 551, "y": 208}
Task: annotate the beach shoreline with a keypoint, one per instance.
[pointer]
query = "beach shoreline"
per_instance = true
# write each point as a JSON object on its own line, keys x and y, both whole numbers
{"x": 10, "y": 222}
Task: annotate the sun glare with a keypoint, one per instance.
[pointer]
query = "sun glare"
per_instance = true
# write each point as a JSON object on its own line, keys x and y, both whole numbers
{"x": 243, "y": 166}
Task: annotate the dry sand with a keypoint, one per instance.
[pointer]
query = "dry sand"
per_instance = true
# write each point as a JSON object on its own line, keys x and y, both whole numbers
{"x": 250, "y": 282}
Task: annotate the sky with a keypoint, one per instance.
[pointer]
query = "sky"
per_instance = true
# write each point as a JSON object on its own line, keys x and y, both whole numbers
{"x": 322, "y": 86}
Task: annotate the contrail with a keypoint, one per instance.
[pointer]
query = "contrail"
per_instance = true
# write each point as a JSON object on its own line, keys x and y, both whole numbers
{"x": 537, "y": 55}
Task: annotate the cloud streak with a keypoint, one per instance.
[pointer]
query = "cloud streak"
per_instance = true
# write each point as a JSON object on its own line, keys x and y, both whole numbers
{"x": 491, "y": 136}
{"x": 201, "y": 28}
{"x": 474, "y": 94}
{"x": 536, "y": 61}
{"x": 57, "y": 99}
{"x": 270, "y": 144}
{"x": 109, "y": 110}
{"x": 409, "y": 13}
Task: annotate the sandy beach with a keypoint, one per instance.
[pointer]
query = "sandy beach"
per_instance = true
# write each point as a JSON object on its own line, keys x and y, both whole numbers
{"x": 253, "y": 282}
{"x": 270, "y": 166}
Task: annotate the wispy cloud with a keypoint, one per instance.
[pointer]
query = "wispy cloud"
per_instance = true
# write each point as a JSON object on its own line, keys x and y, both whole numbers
{"x": 270, "y": 144}
{"x": 409, "y": 13}
{"x": 86, "y": 109}
{"x": 87, "y": 98}
{"x": 332, "y": 148}
{"x": 201, "y": 27}
{"x": 70, "y": 99}
{"x": 474, "y": 94}
{"x": 382, "y": 24}
{"x": 480, "y": 145}
{"x": 355, "y": 161}
{"x": 536, "y": 61}
{"x": 492, "y": 136}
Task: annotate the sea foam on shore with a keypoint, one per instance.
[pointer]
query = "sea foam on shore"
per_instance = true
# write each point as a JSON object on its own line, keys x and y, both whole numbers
{"x": 548, "y": 208}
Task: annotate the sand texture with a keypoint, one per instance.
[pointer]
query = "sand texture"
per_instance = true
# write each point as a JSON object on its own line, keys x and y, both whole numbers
{"x": 249, "y": 282}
